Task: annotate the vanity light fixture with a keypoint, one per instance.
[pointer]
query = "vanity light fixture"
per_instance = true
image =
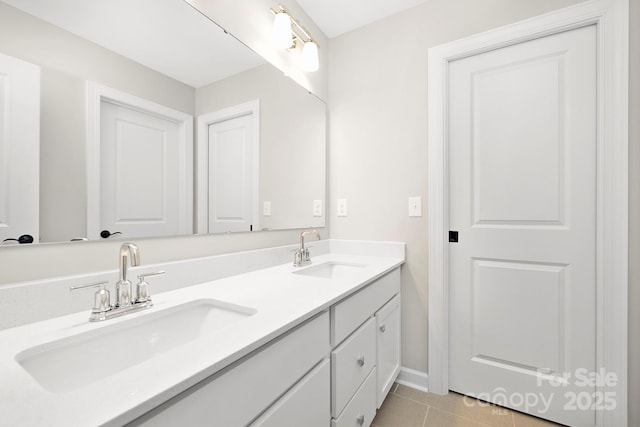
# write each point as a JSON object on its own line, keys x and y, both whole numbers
{"x": 287, "y": 31}
{"x": 282, "y": 34}
{"x": 310, "y": 56}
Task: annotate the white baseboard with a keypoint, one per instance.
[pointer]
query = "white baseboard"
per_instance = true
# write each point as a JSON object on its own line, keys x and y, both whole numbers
{"x": 414, "y": 379}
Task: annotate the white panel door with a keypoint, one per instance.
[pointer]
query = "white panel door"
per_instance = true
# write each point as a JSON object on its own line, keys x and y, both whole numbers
{"x": 140, "y": 194}
{"x": 523, "y": 200}
{"x": 387, "y": 347}
{"x": 19, "y": 148}
{"x": 232, "y": 175}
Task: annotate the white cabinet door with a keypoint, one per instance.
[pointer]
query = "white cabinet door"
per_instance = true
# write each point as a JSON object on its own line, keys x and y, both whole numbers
{"x": 388, "y": 347}
{"x": 19, "y": 148}
{"x": 523, "y": 131}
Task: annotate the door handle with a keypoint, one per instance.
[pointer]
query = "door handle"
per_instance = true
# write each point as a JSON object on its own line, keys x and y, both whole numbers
{"x": 105, "y": 234}
{"x": 25, "y": 238}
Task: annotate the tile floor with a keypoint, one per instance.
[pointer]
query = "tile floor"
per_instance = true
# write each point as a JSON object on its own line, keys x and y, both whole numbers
{"x": 408, "y": 407}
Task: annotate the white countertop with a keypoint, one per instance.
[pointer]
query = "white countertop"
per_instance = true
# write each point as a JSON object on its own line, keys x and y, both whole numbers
{"x": 282, "y": 300}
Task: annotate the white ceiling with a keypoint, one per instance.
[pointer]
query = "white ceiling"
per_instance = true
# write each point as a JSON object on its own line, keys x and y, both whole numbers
{"x": 166, "y": 35}
{"x": 335, "y": 17}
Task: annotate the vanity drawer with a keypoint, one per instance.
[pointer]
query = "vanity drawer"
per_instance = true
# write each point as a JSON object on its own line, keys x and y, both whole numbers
{"x": 362, "y": 408}
{"x": 350, "y": 313}
{"x": 306, "y": 404}
{"x": 351, "y": 362}
{"x": 240, "y": 393}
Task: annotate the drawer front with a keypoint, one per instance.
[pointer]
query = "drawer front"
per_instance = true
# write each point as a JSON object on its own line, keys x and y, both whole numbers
{"x": 306, "y": 404}
{"x": 388, "y": 347}
{"x": 350, "y": 313}
{"x": 350, "y": 365}
{"x": 243, "y": 391}
{"x": 362, "y": 408}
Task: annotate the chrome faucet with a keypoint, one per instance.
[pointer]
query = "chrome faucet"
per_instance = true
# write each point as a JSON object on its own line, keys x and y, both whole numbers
{"x": 102, "y": 308}
{"x": 302, "y": 256}
{"x": 123, "y": 286}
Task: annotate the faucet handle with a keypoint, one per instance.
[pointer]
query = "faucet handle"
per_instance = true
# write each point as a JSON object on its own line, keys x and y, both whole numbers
{"x": 102, "y": 301}
{"x": 142, "y": 287}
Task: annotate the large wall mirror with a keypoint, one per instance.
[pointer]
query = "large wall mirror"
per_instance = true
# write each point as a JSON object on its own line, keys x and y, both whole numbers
{"x": 253, "y": 153}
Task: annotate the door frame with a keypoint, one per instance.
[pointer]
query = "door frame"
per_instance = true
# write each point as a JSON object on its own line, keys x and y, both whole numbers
{"x": 612, "y": 26}
{"x": 96, "y": 93}
{"x": 202, "y": 167}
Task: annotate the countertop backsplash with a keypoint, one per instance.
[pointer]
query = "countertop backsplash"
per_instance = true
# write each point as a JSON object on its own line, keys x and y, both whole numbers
{"x": 26, "y": 302}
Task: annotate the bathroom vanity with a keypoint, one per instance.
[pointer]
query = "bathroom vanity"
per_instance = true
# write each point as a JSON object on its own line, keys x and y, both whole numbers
{"x": 281, "y": 345}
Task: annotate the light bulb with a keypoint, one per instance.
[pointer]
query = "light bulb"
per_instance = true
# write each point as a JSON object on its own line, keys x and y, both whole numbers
{"x": 282, "y": 35}
{"x": 310, "y": 60}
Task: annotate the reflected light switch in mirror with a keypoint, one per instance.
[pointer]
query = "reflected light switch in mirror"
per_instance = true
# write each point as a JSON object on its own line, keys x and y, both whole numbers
{"x": 415, "y": 206}
{"x": 317, "y": 208}
{"x": 266, "y": 209}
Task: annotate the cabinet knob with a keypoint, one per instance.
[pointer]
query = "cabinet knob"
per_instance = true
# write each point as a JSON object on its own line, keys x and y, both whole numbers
{"x": 383, "y": 328}
{"x": 361, "y": 360}
{"x": 360, "y": 419}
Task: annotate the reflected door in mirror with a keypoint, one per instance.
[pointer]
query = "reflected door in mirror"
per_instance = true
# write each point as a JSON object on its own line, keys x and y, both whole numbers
{"x": 233, "y": 193}
{"x": 139, "y": 168}
{"x": 19, "y": 148}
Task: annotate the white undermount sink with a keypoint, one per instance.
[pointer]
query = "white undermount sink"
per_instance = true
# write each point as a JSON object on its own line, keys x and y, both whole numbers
{"x": 73, "y": 362}
{"x": 331, "y": 269}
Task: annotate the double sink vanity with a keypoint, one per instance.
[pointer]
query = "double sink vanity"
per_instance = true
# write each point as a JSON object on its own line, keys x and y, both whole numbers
{"x": 262, "y": 343}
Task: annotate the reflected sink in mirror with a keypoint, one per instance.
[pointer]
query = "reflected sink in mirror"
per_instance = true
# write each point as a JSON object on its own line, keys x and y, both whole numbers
{"x": 76, "y": 361}
{"x": 331, "y": 269}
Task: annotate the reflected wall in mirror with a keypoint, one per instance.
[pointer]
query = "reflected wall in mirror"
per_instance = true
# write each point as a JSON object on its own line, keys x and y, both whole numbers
{"x": 166, "y": 52}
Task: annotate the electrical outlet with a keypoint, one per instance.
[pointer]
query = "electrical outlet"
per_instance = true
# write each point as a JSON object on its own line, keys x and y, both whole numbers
{"x": 266, "y": 208}
{"x": 317, "y": 208}
{"x": 415, "y": 206}
{"x": 342, "y": 207}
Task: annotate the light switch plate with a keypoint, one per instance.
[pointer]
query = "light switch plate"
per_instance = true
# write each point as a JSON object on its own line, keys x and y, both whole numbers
{"x": 266, "y": 208}
{"x": 415, "y": 206}
{"x": 317, "y": 208}
{"x": 342, "y": 207}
